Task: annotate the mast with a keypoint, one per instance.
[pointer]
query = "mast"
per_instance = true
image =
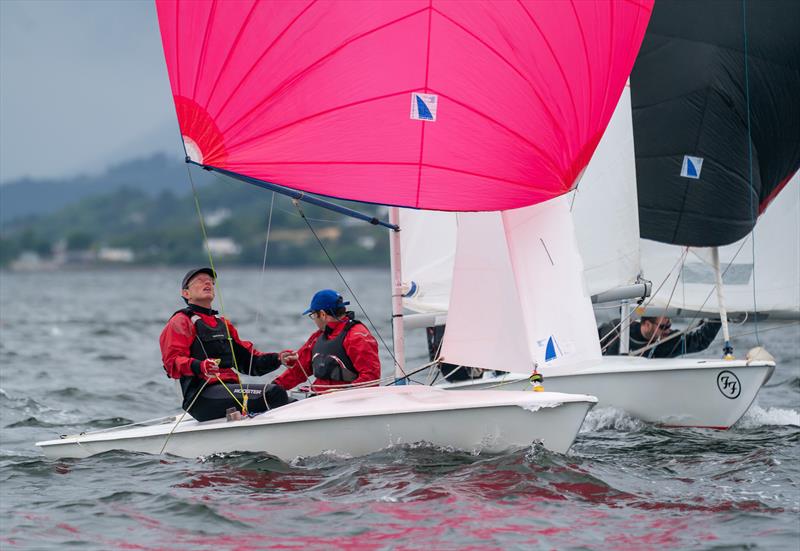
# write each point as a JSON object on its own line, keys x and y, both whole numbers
{"x": 398, "y": 335}
{"x": 625, "y": 327}
{"x": 723, "y": 313}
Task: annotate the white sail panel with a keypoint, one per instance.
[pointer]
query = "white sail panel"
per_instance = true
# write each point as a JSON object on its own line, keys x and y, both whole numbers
{"x": 775, "y": 271}
{"x": 485, "y": 327}
{"x": 548, "y": 270}
{"x": 428, "y": 245}
{"x": 605, "y": 208}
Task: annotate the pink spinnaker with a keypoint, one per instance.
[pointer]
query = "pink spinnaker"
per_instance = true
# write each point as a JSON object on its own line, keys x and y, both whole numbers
{"x": 322, "y": 96}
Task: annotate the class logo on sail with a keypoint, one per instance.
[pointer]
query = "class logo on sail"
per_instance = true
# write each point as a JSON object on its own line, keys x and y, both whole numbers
{"x": 551, "y": 349}
{"x": 691, "y": 167}
{"x": 423, "y": 106}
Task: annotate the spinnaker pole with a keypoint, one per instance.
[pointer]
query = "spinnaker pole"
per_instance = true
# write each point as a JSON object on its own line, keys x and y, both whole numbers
{"x": 397, "y": 296}
{"x": 298, "y": 195}
{"x": 727, "y": 349}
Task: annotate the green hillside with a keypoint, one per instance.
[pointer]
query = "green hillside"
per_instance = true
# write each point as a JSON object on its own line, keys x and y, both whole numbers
{"x": 165, "y": 229}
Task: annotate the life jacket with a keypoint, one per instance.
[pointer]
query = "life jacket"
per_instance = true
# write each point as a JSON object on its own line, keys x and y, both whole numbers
{"x": 330, "y": 361}
{"x": 209, "y": 342}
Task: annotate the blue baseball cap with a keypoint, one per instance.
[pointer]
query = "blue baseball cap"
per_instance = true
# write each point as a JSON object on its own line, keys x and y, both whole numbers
{"x": 327, "y": 299}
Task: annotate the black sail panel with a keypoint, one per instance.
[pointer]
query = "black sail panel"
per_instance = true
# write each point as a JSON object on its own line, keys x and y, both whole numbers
{"x": 689, "y": 91}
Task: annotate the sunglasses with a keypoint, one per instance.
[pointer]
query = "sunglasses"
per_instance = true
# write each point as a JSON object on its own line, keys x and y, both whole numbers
{"x": 665, "y": 326}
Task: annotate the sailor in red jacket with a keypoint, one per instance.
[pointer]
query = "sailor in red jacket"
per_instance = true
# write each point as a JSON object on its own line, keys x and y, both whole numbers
{"x": 202, "y": 349}
{"x": 342, "y": 353}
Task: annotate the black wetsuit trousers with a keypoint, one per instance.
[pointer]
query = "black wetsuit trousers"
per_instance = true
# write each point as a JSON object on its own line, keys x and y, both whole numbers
{"x": 215, "y": 400}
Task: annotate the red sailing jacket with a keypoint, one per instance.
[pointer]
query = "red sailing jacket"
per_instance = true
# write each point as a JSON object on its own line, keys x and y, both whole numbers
{"x": 361, "y": 348}
{"x": 176, "y": 340}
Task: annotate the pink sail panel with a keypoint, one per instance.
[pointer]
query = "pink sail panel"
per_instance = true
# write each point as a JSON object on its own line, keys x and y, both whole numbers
{"x": 438, "y": 105}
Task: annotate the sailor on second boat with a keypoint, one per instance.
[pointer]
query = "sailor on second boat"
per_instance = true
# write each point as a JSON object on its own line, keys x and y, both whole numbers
{"x": 342, "y": 353}
{"x": 201, "y": 349}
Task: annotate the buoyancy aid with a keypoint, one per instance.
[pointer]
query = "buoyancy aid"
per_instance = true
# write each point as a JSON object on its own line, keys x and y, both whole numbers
{"x": 329, "y": 359}
{"x": 209, "y": 342}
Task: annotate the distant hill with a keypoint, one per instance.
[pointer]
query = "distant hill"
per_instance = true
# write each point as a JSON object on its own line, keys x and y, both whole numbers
{"x": 146, "y": 213}
{"x": 150, "y": 175}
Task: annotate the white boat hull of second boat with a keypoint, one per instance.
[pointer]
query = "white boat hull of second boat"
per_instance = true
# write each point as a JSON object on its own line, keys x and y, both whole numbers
{"x": 681, "y": 392}
{"x": 358, "y": 422}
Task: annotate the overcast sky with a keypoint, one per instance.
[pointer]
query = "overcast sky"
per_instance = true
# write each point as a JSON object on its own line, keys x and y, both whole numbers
{"x": 83, "y": 85}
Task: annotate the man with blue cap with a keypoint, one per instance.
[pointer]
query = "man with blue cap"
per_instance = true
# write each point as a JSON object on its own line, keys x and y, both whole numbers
{"x": 341, "y": 354}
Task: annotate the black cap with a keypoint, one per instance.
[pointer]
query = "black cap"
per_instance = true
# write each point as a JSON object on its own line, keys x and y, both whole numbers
{"x": 191, "y": 273}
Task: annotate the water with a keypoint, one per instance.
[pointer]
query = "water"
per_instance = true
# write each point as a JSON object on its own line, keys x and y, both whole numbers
{"x": 79, "y": 351}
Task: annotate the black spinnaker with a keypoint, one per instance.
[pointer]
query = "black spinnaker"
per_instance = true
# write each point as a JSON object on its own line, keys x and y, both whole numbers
{"x": 716, "y": 115}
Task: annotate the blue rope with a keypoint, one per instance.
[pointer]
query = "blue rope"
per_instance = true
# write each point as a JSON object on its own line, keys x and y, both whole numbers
{"x": 750, "y": 159}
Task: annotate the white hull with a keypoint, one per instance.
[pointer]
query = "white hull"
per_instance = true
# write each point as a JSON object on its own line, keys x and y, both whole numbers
{"x": 358, "y": 422}
{"x": 673, "y": 392}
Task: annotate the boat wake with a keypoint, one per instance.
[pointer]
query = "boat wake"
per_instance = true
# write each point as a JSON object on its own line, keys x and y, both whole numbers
{"x": 609, "y": 418}
{"x": 757, "y": 417}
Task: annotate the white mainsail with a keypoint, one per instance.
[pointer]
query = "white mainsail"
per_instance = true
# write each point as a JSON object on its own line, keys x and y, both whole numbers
{"x": 518, "y": 298}
{"x": 428, "y": 244}
{"x": 485, "y": 321}
{"x": 605, "y": 207}
{"x": 559, "y": 319}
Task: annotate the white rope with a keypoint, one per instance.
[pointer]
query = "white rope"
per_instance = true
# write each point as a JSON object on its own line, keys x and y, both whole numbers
{"x": 614, "y": 331}
{"x": 261, "y": 284}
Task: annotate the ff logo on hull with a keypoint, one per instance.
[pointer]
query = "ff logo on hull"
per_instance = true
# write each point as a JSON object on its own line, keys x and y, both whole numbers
{"x": 729, "y": 385}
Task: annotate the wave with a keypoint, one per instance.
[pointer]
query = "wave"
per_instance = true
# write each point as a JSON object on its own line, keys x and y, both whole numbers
{"x": 757, "y": 417}
{"x": 605, "y": 418}
{"x": 93, "y": 423}
{"x": 792, "y": 383}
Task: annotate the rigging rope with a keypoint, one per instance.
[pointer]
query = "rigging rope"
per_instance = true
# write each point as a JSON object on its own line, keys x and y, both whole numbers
{"x": 649, "y": 344}
{"x": 261, "y": 283}
{"x": 341, "y": 276}
{"x": 614, "y": 331}
{"x": 221, "y": 302}
{"x": 750, "y": 161}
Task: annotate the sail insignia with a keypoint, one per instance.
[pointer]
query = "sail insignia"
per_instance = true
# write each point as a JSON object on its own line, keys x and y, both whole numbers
{"x": 691, "y": 167}
{"x": 423, "y": 107}
{"x": 550, "y": 350}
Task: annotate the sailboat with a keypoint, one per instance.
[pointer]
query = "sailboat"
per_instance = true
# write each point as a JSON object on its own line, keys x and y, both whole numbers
{"x": 676, "y": 392}
{"x": 762, "y": 286}
{"x": 730, "y": 165}
{"x": 457, "y": 106}
{"x": 671, "y": 392}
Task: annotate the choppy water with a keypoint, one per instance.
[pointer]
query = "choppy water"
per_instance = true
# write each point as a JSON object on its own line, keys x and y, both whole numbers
{"x": 79, "y": 351}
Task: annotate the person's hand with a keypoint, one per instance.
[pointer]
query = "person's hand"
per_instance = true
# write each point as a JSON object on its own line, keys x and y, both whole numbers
{"x": 210, "y": 369}
{"x": 288, "y": 357}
